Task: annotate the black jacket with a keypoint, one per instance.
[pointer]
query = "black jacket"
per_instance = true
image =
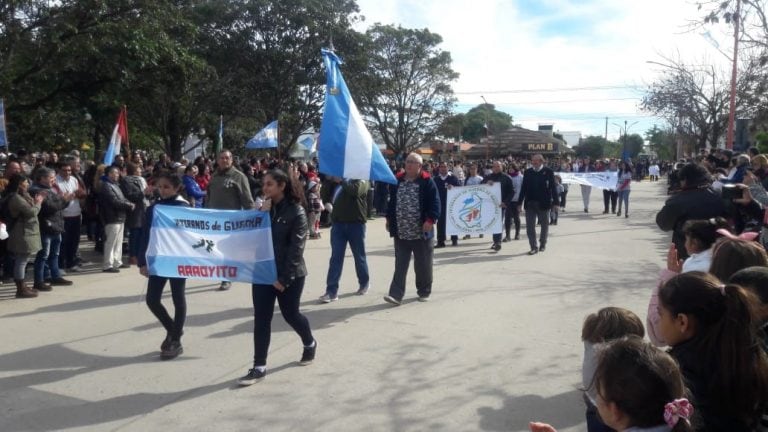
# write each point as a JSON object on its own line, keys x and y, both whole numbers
{"x": 429, "y": 199}
{"x": 507, "y": 187}
{"x": 689, "y": 204}
{"x": 289, "y": 235}
{"x": 176, "y": 200}
{"x": 539, "y": 186}
{"x": 133, "y": 192}
{"x": 50, "y": 217}
{"x": 442, "y": 187}
{"x": 112, "y": 203}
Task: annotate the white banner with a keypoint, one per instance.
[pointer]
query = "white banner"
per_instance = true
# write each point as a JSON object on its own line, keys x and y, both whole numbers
{"x": 474, "y": 210}
{"x": 600, "y": 180}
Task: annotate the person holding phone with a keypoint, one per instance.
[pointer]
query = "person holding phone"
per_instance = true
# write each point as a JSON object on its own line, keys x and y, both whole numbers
{"x": 414, "y": 206}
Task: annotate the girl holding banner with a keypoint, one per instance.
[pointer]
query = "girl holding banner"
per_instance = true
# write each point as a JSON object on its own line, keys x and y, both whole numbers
{"x": 168, "y": 186}
{"x": 283, "y": 199}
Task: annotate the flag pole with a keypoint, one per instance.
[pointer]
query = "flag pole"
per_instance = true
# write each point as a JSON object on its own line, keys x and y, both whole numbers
{"x": 127, "y": 140}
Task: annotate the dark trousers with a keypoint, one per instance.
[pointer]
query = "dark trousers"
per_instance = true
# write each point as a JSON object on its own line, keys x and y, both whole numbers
{"x": 534, "y": 211}
{"x": 134, "y": 237}
{"x": 422, "y": 251}
{"x": 610, "y": 196}
{"x": 563, "y": 196}
{"x": 441, "y": 222}
{"x": 70, "y": 242}
{"x": 511, "y": 213}
{"x": 264, "y": 297}
{"x": 174, "y": 326}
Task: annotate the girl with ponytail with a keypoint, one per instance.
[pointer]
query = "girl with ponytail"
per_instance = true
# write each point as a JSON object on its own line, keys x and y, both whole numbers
{"x": 713, "y": 331}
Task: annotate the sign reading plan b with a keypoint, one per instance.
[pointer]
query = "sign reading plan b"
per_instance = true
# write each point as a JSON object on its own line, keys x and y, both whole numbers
{"x": 233, "y": 245}
{"x": 474, "y": 210}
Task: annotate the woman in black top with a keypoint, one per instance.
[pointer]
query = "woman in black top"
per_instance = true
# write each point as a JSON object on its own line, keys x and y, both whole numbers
{"x": 284, "y": 201}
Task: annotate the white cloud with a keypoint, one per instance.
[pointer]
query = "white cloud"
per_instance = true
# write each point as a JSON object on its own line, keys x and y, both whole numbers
{"x": 553, "y": 44}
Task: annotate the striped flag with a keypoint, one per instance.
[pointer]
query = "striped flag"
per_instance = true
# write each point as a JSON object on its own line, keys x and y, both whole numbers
{"x": 265, "y": 138}
{"x": 347, "y": 150}
{"x": 220, "y": 136}
{"x": 119, "y": 136}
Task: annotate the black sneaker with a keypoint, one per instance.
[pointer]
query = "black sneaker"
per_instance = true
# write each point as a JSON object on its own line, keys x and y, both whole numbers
{"x": 542, "y": 248}
{"x": 496, "y": 247}
{"x": 252, "y": 377}
{"x": 533, "y": 251}
{"x": 166, "y": 343}
{"x": 308, "y": 356}
{"x": 173, "y": 351}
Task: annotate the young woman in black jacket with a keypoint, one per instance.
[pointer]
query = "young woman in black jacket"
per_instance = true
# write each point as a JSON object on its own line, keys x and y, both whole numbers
{"x": 169, "y": 186}
{"x": 284, "y": 201}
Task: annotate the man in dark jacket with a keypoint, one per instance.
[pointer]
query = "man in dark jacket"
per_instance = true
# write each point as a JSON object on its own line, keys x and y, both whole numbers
{"x": 51, "y": 226}
{"x": 113, "y": 208}
{"x": 538, "y": 194}
{"x": 349, "y": 199}
{"x": 444, "y": 181}
{"x": 507, "y": 193}
{"x": 414, "y": 206}
{"x": 696, "y": 200}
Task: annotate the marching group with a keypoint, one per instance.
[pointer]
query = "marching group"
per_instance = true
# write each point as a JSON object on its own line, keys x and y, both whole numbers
{"x": 708, "y": 306}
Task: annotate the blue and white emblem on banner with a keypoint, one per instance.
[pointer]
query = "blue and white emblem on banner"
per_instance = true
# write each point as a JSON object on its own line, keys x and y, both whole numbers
{"x": 233, "y": 245}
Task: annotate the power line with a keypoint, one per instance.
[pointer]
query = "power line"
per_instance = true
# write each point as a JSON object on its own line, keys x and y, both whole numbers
{"x": 545, "y": 90}
{"x": 560, "y": 101}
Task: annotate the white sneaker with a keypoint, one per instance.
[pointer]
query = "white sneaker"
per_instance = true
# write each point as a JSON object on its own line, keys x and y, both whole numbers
{"x": 391, "y": 300}
{"x": 325, "y": 298}
{"x": 363, "y": 290}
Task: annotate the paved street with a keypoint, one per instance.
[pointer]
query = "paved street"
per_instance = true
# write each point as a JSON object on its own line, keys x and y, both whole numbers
{"x": 497, "y": 345}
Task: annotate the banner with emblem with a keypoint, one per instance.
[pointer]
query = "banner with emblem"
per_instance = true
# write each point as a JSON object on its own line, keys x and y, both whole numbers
{"x": 600, "y": 180}
{"x": 232, "y": 245}
{"x": 474, "y": 210}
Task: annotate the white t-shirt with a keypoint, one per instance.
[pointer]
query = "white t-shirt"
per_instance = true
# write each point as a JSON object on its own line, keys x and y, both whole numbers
{"x": 69, "y": 186}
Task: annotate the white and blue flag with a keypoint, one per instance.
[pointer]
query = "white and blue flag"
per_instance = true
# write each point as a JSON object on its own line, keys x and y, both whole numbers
{"x": 346, "y": 147}
{"x": 3, "y": 134}
{"x": 309, "y": 142}
{"x": 232, "y": 245}
{"x": 265, "y": 138}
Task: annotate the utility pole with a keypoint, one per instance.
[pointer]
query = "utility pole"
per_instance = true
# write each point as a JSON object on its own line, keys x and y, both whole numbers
{"x": 606, "y": 130}
{"x": 734, "y": 71}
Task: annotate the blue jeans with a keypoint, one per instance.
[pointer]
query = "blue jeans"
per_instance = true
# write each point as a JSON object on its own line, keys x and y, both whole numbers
{"x": 624, "y": 198}
{"x": 48, "y": 256}
{"x": 341, "y": 234}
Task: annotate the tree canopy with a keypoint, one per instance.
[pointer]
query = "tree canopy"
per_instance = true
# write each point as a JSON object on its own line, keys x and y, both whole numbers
{"x": 66, "y": 67}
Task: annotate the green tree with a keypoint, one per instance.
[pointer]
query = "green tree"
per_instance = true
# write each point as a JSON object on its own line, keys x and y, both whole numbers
{"x": 634, "y": 144}
{"x": 81, "y": 57}
{"x": 405, "y": 91}
{"x": 592, "y": 146}
{"x": 266, "y": 54}
{"x": 662, "y": 142}
{"x": 485, "y": 114}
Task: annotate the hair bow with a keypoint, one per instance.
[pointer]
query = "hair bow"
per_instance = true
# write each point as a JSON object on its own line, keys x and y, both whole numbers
{"x": 747, "y": 236}
{"x": 677, "y": 409}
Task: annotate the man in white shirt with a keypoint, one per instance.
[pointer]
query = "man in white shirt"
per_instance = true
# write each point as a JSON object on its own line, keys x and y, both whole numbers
{"x": 66, "y": 183}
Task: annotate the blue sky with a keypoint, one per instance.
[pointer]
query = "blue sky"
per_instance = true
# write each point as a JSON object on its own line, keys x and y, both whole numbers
{"x": 570, "y": 63}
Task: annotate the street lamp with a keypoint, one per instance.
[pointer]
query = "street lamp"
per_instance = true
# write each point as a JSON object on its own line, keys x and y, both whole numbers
{"x": 624, "y": 152}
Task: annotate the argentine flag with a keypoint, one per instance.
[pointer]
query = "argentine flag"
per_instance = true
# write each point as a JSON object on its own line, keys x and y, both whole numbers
{"x": 265, "y": 138}
{"x": 232, "y": 245}
{"x": 346, "y": 147}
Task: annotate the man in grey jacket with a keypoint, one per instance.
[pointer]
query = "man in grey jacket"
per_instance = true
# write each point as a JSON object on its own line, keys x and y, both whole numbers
{"x": 228, "y": 190}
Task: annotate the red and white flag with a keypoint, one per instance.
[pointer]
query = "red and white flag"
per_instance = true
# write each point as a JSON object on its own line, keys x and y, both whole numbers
{"x": 119, "y": 137}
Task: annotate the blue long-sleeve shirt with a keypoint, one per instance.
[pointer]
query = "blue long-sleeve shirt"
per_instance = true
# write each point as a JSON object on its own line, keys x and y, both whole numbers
{"x": 193, "y": 190}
